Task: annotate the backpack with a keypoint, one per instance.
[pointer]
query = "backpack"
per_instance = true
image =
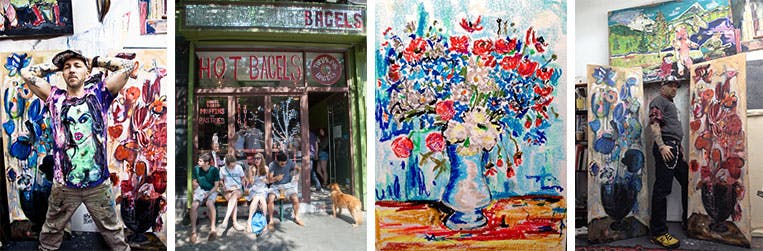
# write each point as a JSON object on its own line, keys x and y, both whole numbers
{"x": 258, "y": 222}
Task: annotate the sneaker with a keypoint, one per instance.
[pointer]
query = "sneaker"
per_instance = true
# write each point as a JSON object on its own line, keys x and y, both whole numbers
{"x": 666, "y": 240}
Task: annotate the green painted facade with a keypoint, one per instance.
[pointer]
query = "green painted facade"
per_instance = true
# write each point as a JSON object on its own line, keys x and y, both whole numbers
{"x": 356, "y": 50}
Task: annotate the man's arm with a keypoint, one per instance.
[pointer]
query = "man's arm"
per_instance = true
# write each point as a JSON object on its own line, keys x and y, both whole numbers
{"x": 121, "y": 69}
{"x": 33, "y": 77}
{"x": 655, "y": 118}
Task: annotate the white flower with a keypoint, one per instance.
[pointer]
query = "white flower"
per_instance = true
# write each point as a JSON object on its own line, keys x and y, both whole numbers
{"x": 456, "y": 132}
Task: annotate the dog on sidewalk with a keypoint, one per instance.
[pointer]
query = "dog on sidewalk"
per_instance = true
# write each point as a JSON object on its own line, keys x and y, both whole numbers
{"x": 341, "y": 200}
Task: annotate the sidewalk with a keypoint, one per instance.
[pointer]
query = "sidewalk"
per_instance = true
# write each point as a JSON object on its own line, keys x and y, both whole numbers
{"x": 321, "y": 231}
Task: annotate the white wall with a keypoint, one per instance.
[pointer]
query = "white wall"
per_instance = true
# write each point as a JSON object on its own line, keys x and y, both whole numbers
{"x": 120, "y": 29}
{"x": 592, "y": 47}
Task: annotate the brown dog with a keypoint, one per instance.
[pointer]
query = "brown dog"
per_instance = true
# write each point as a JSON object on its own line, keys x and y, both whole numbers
{"x": 341, "y": 200}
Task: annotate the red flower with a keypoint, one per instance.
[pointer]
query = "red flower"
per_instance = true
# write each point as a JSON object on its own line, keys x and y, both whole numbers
{"x": 499, "y": 163}
{"x": 415, "y": 50}
{"x": 459, "y": 44}
{"x": 115, "y": 131}
{"x": 694, "y": 165}
{"x": 502, "y": 46}
{"x": 445, "y": 110}
{"x": 694, "y": 125}
{"x": 528, "y": 123}
{"x": 490, "y": 172}
{"x": 510, "y": 173}
{"x": 543, "y": 91}
{"x": 490, "y": 61}
{"x": 469, "y": 26}
{"x": 527, "y": 67}
{"x": 394, "y": 72}
{"x": 518, "y": 158}
{"x": 435, "y": 142}
{"x": 510, "y": 62}
{"x": 531, "y": 40}
{"x": 544, "y": 73}
{"x": 482, "y": 47}
{"x": 126, "y": 186}
{"x": 402, "y": 147}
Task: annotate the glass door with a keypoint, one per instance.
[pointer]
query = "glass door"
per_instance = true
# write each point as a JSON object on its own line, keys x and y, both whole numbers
{"x": 284, "y": 128}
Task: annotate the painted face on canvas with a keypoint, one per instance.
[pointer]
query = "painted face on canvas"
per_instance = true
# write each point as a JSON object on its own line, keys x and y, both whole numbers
{"x": 80, "y": 123}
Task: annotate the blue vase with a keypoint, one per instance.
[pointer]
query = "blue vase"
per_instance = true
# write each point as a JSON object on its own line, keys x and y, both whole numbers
{"x": 467, "y": 192}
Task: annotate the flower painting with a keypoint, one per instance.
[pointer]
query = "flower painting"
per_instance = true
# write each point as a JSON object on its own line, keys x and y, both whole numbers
{"x": 469, "y": 124}
{"x": 719, "y": 208}
{"x": 618, "y": 202}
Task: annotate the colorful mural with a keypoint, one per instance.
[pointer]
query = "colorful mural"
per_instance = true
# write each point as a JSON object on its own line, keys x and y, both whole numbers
{"x": 665, "y": 39}
{"x": 748, "y": 20}
{"x": 470, "y": 130}
{"x": 618, "y": 202}
{"x": 23, "y": 18}
{"x": 136, "y": 146}
{"x": 153, "y": 16}
{"x": 719, "y": 206}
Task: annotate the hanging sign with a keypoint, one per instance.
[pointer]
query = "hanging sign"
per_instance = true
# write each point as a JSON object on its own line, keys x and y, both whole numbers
{"x": 326, "y": 69}
{"x": 249, "y": 66}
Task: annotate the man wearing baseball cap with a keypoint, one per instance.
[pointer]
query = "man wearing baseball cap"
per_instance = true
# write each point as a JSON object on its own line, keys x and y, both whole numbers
{"x": 78, "y": 119}
{"x": 669, "y": 161}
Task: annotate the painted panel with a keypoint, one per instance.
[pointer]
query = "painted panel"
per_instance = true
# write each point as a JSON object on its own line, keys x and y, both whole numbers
{"x": 153, "y": 16}
{"x": 665, "y": 39}
{"x": 618, "y": 201}
{"x": 136, "y": 147}
{"x": 470, "y": 125}
{"x": 20, "y": 18}
{"x": 748, "y": 20}
{"x": 719, "y": 206}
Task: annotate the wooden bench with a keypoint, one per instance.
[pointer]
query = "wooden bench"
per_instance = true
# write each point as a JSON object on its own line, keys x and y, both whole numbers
{"x": 280, "y": 199}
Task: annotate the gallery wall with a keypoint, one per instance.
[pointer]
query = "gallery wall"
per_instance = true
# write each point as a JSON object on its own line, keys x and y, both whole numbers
{"x": 591, "y": 41}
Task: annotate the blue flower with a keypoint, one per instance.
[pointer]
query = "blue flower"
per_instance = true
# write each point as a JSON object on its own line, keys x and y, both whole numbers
{"x": 16, "y": 62}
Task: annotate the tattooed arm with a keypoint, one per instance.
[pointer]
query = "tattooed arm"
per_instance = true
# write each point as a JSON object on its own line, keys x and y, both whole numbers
{"x": 33, "y": 76}
{"x": 655, "y": 119}
{"x": 121, "y": 69}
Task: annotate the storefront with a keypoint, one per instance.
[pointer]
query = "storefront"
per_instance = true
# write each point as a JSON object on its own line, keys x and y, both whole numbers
{"x": 261, "y": 77}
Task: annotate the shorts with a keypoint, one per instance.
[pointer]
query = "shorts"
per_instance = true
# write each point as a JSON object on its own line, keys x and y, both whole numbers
{"x": 288, "y": 190}
{"x": 257, "y": 192}
{"x": 323, "y": 155}
{"x": 198, "y": 195}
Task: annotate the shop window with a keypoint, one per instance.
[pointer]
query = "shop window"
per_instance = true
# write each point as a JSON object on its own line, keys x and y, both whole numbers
{"x": 286, "y": 129}
{"x": 250, "y": 126}
{"x": 249, "y": 69}
{"x": 212, "y": 123}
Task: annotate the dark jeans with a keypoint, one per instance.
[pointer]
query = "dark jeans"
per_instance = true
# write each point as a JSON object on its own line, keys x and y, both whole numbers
{"x": 314, "y": 176}
{"x": 664, "y": 182}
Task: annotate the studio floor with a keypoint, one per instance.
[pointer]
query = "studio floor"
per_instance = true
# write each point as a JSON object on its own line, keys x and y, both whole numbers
{"x": 643, "y": 243}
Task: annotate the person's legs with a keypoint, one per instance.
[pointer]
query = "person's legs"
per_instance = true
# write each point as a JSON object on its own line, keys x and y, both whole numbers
{"x": 322, "y": 164}
{"x": 662, "y": 186}
{"x": 60, "y": 210}
{"x": 271, "y": 199}
{"x": 295, "y": 204}
{"x": 682, "y": 175}
{"x": 229, "y": 210}
{"x": 100, "y": 204}
{"x": 210, "y": 202}
{"x": 194, "y": 217}
{"x": 314, "y": 177}
{"x": 234, "y": 215}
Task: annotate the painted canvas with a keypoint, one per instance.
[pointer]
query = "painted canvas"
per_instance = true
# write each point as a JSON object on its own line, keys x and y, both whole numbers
{"x": 22, "y": 18}
{"x": 153, "y": 16}
{"x": 665, "y": 39}
{"x": 470, "y": 100}
{"x": 618, "y": 201}
{"x": 719, "y": 206}
{"x": 748, "y": 21}
{"x": 137, "y": 142}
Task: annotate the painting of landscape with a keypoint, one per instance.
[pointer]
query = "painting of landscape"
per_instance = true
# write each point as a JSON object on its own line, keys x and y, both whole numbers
{"x": 665, "y": 39}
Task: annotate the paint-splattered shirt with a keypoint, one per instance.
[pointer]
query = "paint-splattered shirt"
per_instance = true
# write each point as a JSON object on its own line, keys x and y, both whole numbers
{"x": 79, "y": 135}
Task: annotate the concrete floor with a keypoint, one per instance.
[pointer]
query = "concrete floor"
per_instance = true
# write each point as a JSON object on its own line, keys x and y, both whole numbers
{"x": 686, "y": 242}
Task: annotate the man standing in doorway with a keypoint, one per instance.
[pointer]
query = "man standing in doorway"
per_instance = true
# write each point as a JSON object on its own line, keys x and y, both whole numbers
{"x": 78, "y": 118}
{"x": 669, "y": 161}
{"x": 283, "y": 175}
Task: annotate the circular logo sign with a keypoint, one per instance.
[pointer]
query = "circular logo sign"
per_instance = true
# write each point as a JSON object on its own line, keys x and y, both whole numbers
{"x": 326, "y": 69}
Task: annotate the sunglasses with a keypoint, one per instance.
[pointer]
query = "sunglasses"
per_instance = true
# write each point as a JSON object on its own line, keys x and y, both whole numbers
{"x": 258, "y": 158}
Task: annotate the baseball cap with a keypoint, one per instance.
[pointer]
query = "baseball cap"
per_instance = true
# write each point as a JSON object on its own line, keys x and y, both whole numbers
{"x": 61, "y": 58}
